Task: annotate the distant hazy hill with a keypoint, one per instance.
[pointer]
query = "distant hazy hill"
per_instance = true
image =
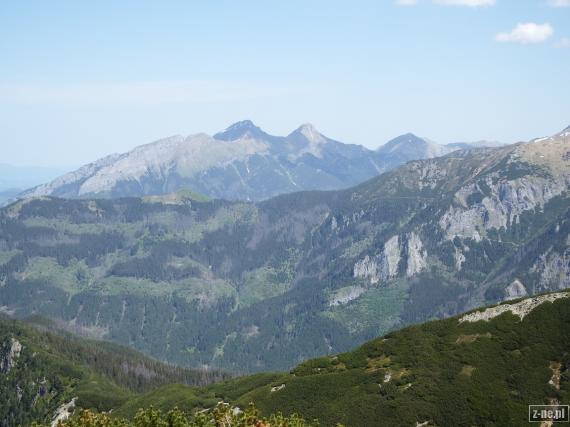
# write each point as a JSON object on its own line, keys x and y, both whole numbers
{"x": 240, "y": 163}
{"x": 480, "y": 368}
{"x": 8, "y": 195}
{"x": 262, "y": 286}
{"x": 12, "y": 176}
{"x": 14, "y": 179}
{"x": 475, "y": 144}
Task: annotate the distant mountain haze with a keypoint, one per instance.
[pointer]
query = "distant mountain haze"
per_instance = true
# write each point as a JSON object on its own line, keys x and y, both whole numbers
{"x": 22, "y": 177}
{"x": 240, "y": 163}
{"x": 16, "y": 178}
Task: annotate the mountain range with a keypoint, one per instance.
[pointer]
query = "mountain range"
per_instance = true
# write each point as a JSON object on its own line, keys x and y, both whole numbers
{"x": 240, "y": 163}
{"x": 262, "y": 286}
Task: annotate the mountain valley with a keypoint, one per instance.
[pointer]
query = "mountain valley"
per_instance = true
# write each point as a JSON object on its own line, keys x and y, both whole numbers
{"x": 262, "y": 286}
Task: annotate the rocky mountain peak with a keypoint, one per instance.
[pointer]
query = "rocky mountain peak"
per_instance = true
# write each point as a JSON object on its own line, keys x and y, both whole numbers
{"x": 241, "y": 129}
{"x": 309, "y": 133}
{"x": 406, "y": 140}
{"x": 410, "y": 147}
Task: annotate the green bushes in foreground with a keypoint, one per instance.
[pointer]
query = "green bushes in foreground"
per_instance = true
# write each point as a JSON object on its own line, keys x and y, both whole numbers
{"x": 223, "y": 415}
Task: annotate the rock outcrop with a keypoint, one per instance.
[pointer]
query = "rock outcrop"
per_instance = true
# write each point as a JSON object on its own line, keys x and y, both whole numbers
{"x": 9, "y": 353}
{"x": 553, "y": 269}
{"x": 345, "y": 295}
{"x": 383, "y": 266}
{"x": 502, "y": 207}
{"x": 520, "y": 309}
{"x": 515, "y": 290}
{"x": 416, "y": 255}
{"x": 386, "y": 265}
{"x": 63, "y": 412}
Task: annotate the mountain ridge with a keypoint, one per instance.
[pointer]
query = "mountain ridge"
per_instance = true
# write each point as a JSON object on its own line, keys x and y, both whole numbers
{"x": 242, "y": 162}
{"x": 487, "y": 364}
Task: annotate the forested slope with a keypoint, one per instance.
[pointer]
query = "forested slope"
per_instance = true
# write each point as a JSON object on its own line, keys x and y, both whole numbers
{"x": 40, "y": 371}
{"x": 480, "y": 368}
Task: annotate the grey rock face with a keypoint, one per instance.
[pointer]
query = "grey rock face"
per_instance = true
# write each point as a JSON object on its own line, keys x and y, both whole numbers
{"x": 63, "y": 412}
{"x": 383, "y": 266}
{"x": 502, "y": 207}
{"x": 520, "y": 309}
{"x": 386, "y": 265}
{"x": 515, "y": 290}
{"x": 345, "y": 295}
{"x": 459, "y": 259}
{"x": 553, "y": 269}
{"x": 9, "y": 353}
{"x": 417, "y": 255}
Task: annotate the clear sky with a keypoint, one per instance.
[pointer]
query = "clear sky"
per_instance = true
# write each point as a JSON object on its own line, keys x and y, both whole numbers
{"x": 79, "y": 80}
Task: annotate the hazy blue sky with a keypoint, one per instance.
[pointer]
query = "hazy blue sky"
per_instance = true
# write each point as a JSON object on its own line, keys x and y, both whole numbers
{"x": 79, "y": 81}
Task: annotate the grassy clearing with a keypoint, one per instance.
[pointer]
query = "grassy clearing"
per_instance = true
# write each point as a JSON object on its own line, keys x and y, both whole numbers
{"x": 377, "y": 309}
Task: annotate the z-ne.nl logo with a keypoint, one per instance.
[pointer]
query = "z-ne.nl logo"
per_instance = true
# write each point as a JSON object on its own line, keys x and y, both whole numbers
{"x": 552, "y": 413}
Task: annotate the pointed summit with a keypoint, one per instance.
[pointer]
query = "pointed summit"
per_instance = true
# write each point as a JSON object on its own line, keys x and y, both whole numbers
{"x": 411, "y": 147}
{"x": 408, "y": 141}
{"x": 308, "y": 132}
{"x": 240, "y": 130}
